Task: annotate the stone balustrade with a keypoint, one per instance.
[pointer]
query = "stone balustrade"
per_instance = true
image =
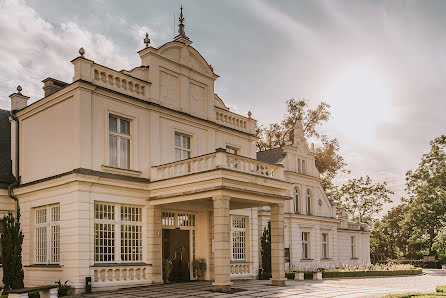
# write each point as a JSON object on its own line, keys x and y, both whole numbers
{"x": 119, "y": 274}
{"x": 219, "y": 159}
{"x": 237, "y": 269}
{"x": 120, "y": 82}
{"x": 234, "y": 120}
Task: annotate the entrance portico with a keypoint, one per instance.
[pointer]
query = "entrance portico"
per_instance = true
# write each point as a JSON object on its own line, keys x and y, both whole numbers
{"x": 216, "y": 194}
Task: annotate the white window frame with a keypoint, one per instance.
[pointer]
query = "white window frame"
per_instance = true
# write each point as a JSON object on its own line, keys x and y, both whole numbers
{"x": 296, "y": 199}
{"x": 325, "y": 246}
{"x": 353, "y": 247}
{"x": 112, "y": 216}
{"x": 181, "y": 148}
{"x": 305, "y": 245}
{"x": 239, "y": 235}
{"x": 47, "y": 234}
{"x": 119, "y": 136}
{"x": 232, "y": 150}
{"x": 308, "y": 202}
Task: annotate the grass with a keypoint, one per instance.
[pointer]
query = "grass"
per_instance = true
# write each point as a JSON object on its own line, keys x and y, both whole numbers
{"x": 440, "y": 292}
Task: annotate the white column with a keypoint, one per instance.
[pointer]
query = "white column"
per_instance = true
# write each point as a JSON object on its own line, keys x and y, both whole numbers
{"x": 277, "y": 245}
{"x": 154, "y": 238}
{"x": 222, "y": 260}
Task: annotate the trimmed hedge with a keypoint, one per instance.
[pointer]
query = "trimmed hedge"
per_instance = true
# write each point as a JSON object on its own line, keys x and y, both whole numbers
{"x": 418, "y": 295}
{"x": 362, "y": 273}
{"x": 416, "y": 263}
{"x": 441, "y": 289}
{"x": 289, "y": 275}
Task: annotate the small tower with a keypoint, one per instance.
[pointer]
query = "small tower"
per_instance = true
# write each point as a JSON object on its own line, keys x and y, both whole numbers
{"x": 298, "y": 133}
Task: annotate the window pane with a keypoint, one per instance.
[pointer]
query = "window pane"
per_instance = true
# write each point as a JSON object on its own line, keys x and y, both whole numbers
{"x": 113, "y": 151}
{"x": 186, "y": 142}
{"x": 113, "y": 124}
{"x": 177, "y": 141}
{"x": 177, "y": 154}
{"x": 124, "y": 154}
{"x": 125, "y": 127}
{"x": 186, "y": 154}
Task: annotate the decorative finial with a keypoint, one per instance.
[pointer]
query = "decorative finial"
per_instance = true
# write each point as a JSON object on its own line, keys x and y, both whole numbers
{"x": 249, "y": 114}
{"x": 19, "y": 89}
{"x": 181, "y": 24}
{"x": 147, "y": 40}
{"x": 82, "y": 52}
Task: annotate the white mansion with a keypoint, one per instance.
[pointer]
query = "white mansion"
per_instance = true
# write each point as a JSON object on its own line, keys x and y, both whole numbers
{"x": 122, "y": 169}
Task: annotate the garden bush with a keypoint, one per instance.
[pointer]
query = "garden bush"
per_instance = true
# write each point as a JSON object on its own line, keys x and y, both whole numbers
{"x": 289, "y": 275}
{"x": 441, "y": 289}
{"x": 365, "y": 273}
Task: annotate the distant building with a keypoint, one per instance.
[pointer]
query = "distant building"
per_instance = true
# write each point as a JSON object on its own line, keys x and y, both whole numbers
{"x": 122, "y": 169}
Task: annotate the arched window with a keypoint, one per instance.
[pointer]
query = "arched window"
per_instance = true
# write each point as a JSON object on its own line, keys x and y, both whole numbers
{"x": 308, "y": 202}
{"x": 296, "y": 200}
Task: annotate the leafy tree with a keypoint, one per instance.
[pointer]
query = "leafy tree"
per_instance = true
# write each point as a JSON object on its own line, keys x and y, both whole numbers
{"x": 389, "y": 239}
{"x": 12, "y": 240}
{"x": 328, "y": 160}
{"x": 362, "y": 198}
{"x": 266, "y": 251}
{"x": 440, "y": 245}
{"x": 427, "y": 188}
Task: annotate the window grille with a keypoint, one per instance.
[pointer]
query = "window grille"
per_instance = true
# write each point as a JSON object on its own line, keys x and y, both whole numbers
{"x": 353, "y": 246}
{"x": 182, "y": 147}
{"x": 186, "y": 220}
{"x": 118, "y": 238}
{"x": 119, "y": 142}
{"x": 305, "y": 252}
{"x": 238, "y": 237}
{"x": 324, "y": 245}
{"x": 168, "y": 219}
{"x": 47, "y": 235}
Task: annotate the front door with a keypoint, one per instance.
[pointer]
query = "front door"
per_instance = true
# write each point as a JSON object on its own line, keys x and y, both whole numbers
{"x": 176, "y": 248}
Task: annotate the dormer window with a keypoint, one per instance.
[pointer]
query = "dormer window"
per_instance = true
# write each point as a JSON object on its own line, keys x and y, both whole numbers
{"x": 232, "y": 150}
{"x": 119, "y": 142}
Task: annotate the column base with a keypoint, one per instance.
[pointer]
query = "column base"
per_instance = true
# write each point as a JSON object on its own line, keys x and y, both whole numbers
{"x": 224, "y": 288}
{"x": 278, "y": 282}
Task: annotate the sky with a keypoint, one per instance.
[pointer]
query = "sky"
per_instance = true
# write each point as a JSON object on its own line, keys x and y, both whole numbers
{"x": 381, "y": 65}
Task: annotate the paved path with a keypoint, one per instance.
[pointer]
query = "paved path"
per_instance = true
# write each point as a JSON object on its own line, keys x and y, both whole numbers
{"x": 348, "y": 287}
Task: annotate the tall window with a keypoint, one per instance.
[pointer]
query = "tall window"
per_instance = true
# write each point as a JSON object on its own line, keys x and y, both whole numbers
{"x": 118, "y": 233}
{"x": 324, "y": 245}
{"x": 305, "y": 240}
{"x": 353, "y": 246}
{"x": 47, "y": 236}
{"x": 238, "y": 237}
{"x": 232, "y": 150}
{"x": 119, "y": 142}
{"x": 299, "y": 166}
{"x": 304, "y": 171}
{"x": 308, "y": 202}
{"x": 182, "y": 147}
{"x": 296, "y": 200}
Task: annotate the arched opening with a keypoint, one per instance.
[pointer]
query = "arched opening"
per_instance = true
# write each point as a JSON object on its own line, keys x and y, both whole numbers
{"x": 308, "y": 203}
{"x": 296, "y": 199}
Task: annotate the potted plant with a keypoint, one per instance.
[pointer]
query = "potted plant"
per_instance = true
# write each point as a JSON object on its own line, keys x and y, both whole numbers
{"x": 167, "y": 269}
{"x": 199, "y": 266}
{"x": 63, "y": 288}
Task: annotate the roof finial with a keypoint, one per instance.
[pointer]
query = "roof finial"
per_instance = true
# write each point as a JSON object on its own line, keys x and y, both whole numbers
{"x": 147, "y": 40}
{"x": 82, "y": 52}
{"x": 181, "y": 24}
{"x": 19, "y": 89}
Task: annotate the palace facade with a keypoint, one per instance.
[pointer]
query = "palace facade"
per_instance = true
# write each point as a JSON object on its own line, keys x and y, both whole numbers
{"x": 118, "y": 170}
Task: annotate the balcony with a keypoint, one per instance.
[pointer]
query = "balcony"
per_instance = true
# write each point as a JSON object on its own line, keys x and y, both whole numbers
{"x": 235, "y": 121}
{"x": 218, "y": 160}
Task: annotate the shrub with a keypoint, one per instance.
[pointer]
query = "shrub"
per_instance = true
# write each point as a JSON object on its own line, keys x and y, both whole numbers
{"x": 63, "y": 288}
{"x": 266, "y": 252}
{"x": 289, "y": 275}
{"x": 441, "y": 289}
{"x": 167, "y": 269}
{"x": 12, "y": 240}
{"x": 362, "y": 273}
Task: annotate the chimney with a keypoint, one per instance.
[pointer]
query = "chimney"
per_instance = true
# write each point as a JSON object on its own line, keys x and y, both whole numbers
{"x": 51, "y": 86}
{"x": 18, "y": 100}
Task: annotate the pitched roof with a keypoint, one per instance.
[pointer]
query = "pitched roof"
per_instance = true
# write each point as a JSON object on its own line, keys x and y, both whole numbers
{"x": 273, "y": 156}
{"x": 5, "y": 149}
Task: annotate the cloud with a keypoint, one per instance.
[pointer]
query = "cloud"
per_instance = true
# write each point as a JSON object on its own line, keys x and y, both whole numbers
{"x": 33, "y": 49}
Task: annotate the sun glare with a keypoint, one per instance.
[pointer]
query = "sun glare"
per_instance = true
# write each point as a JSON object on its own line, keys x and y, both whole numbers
{"x": 360, "y": 100}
